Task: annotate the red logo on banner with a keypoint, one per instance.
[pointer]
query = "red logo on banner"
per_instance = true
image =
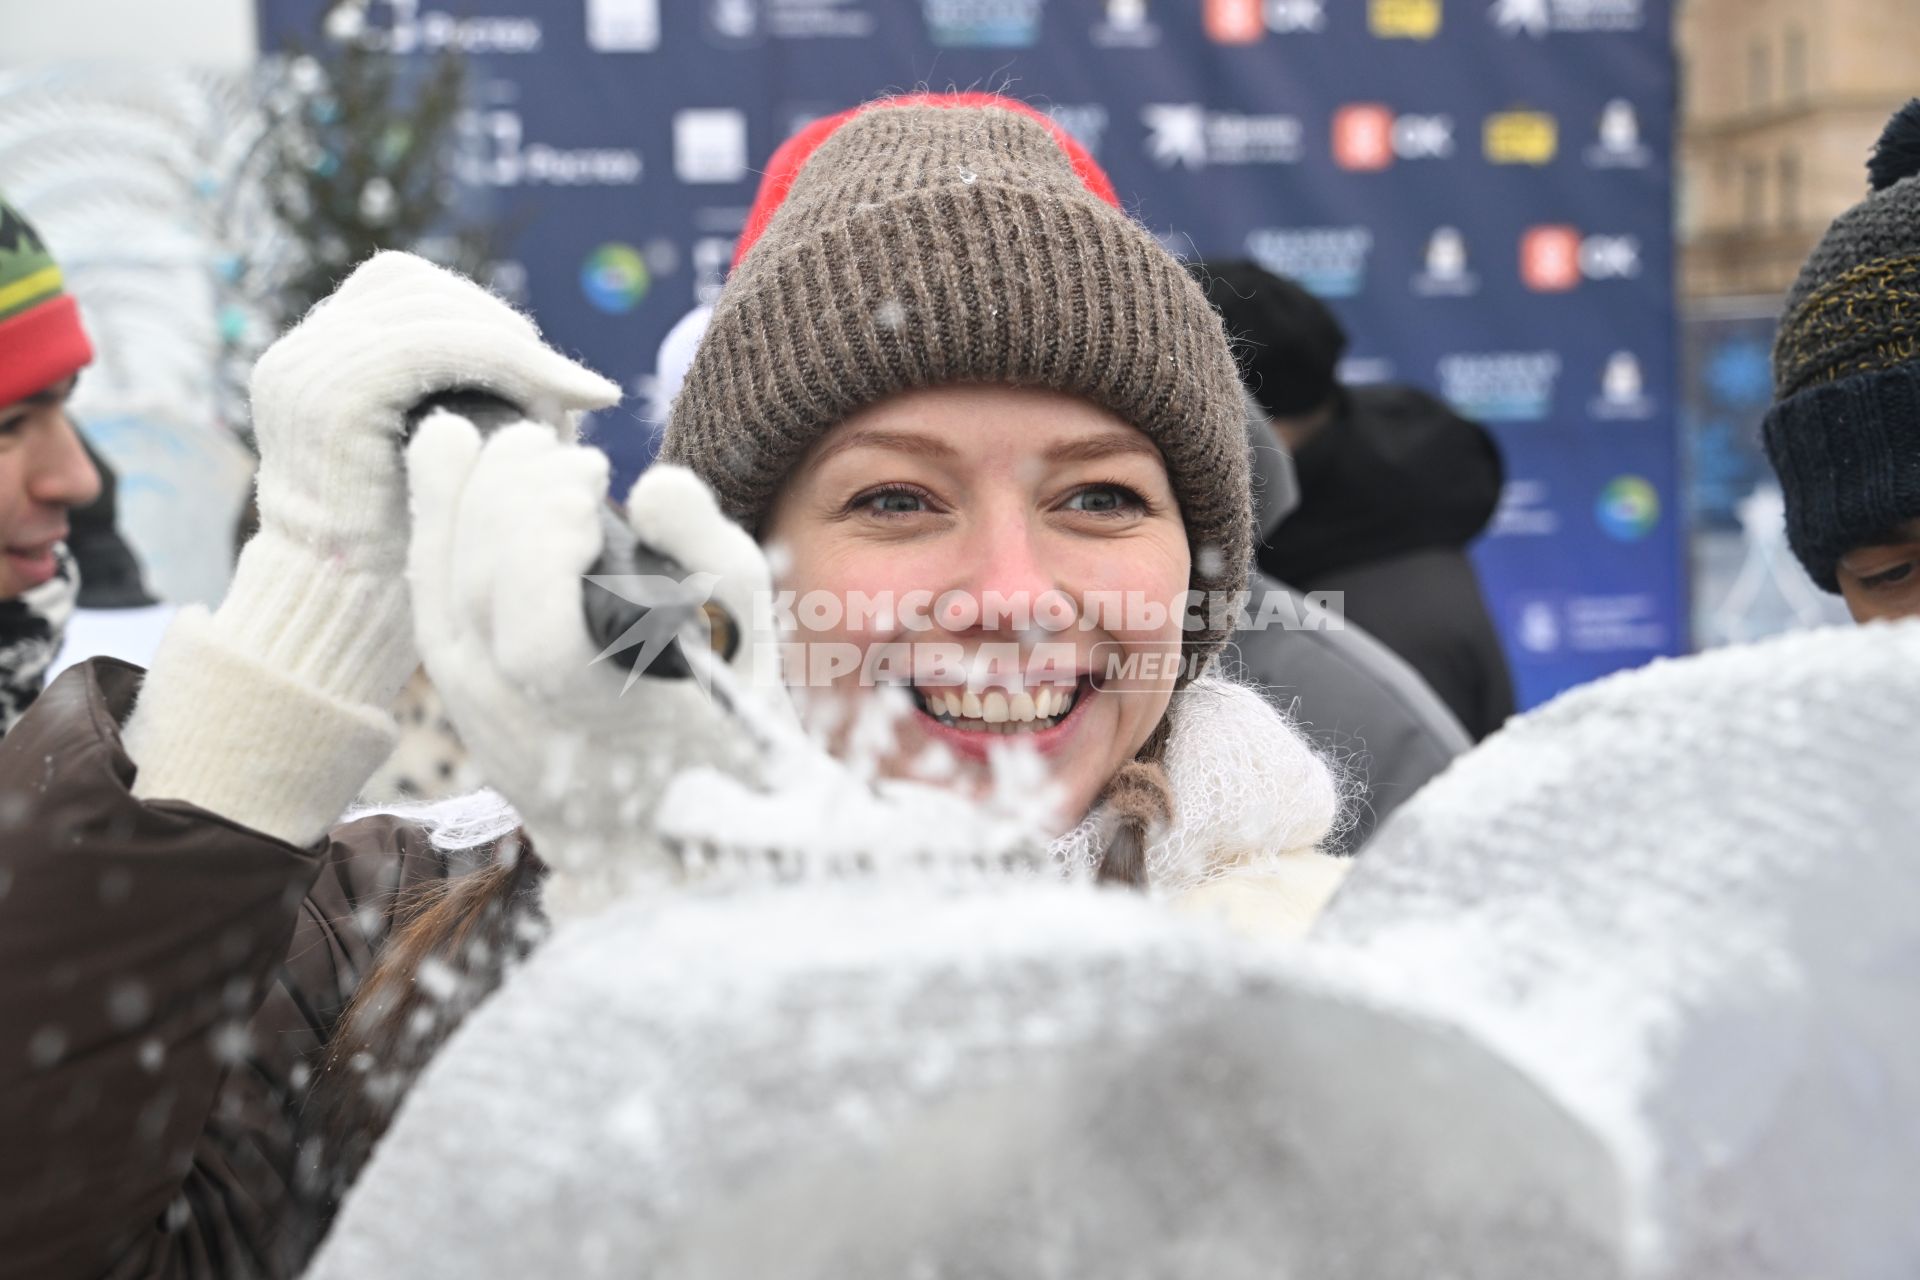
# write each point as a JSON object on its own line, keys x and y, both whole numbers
{"x": 1234, "y": 21}
{"x": 1363, "y": 136}
{"x": 1550, "y": 258}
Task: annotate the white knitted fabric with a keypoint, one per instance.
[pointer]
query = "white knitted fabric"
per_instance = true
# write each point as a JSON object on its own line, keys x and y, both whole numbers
{"x": 272, "y": 710}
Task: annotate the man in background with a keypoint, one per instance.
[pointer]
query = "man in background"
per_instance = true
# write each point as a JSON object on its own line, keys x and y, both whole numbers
{"x": 44, "y": 469}
{"x": 1844, "y": 431}
{"x": 1393, "y": 487}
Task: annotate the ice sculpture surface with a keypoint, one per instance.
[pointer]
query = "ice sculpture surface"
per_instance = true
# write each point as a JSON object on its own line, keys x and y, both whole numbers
{"x": 1631, "y": 991}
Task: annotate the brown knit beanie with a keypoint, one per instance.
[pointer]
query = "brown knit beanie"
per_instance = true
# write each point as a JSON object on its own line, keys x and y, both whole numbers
{"x": 925, "y": 245}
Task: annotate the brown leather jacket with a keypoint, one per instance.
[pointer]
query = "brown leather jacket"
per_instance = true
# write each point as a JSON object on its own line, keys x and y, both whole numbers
{"x": 167, "y": 981}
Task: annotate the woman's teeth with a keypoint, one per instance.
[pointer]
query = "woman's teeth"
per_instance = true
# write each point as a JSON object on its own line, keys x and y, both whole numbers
{"x": 996, "y": 711}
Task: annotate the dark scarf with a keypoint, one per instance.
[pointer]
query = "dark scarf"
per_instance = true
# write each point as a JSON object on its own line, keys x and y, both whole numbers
{"x": 31, "y": 629}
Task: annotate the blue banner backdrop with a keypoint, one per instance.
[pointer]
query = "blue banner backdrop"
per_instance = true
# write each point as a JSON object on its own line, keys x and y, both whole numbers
{"x": 1482, "y": 188}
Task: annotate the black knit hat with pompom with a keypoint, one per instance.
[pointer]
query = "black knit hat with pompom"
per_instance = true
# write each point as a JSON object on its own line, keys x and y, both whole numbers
{"x": 1844, "y": 430}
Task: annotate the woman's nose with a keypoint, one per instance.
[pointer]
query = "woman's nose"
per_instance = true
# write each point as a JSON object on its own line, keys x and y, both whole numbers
{"x": 62, "y": 475}
{"x": 1006, "y": 574}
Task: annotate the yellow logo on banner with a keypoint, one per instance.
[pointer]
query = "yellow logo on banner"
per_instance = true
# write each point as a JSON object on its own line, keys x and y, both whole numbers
{"x": 1521, "y": 137}
{"x": 1404, "y": 19}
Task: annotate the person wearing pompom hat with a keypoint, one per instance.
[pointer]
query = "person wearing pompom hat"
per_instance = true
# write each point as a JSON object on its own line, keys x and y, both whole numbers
{"x": 44, "y": 469}
{"x": 1843, "y": 433}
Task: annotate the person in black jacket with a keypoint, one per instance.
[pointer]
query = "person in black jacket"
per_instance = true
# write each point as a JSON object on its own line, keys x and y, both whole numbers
{"x": 1393, "y": 486}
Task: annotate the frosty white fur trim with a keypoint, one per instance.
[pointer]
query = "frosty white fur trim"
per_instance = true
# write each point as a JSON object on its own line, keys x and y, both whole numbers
{"x": 1248, "y": 788}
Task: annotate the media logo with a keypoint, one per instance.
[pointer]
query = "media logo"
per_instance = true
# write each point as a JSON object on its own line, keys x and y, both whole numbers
{"x": 1521, "y": 137}
{"x": 623, "y": 26}
{"x": 409, "y": 29}
{"x": 1500, "y": 386}
{"x": 1554, "y": 259}
{"x": 733, "y": 21}
{"x": 1537, "y": 627}
{"x": 1525, "y": 511}
{"x": 1539, "y": 18}
{"x": 1550, "y": 259}
{"x": 1234, "y": 21}
{"x": 1623, "y": 391}
{"x": 711, "y": 256}
{"x": 494, "y": 153}
{"x": 1330, "y": 262}
{"x": 614, "y": 277}
{"x": 1296, "y": 17}
{"x": 710, "y": 145}
{"x": 1628, "y": 508}
{"x": 1446, "y": 273}
{"x": 983, "y": 24}
{"x": 1619, "y": 145}
{"x": 1369, "y": 137}
{"x": 1404, "y": 19}
{"x": 1189, "y": 136}
{"x": 1126, "y": 26}
{"x": 1085, "y": 122}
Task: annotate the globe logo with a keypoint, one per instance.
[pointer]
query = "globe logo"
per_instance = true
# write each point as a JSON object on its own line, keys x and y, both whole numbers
{"x": 614, "y": 278}
{"x": 1628, "y": 509}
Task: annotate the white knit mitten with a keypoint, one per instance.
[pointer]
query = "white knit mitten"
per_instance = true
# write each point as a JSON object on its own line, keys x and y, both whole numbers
{"x": 273, "y": 710}
{"x": 503, "y": 532}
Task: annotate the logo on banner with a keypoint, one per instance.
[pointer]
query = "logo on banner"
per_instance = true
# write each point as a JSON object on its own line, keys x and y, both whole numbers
{"x": 1234, "y": 21}
{"x": 1623, "y": 391}
{"x": 1501, "y": 386}
{"x": 1521, "y": 137}
{"x": 1446, "y": 274}
{"x": 983, "y": 24}
{"x": 1404, "y": 19}
{"x": 711, "y": 256}
{"x": 710, "y": 145}
{"x": 409, "y": 30}
{"x": 1525, "y": 511}
{"x": 614, "y": 278}
{"x": 496, "y": 154}
{"x": 1538, "y": 18}
{"x": 1537, "y": 627}
{"x": 733, "y": 21}
{"x": 1619, "y": 146}
{"x": 1295, "y": 17}
{"x": 1126, "y": 26}
{"x": 1548, "y": 624}
{"x": 1368, "y": 136}
{"x": 623, "y": 26}
{"x": 1188, "y": 135}
{"x": 1554, "y": 259}
{"x": 1330, "y": 262}
{"x": 1085, "y": 123}
{"x": 1628, "y": 508}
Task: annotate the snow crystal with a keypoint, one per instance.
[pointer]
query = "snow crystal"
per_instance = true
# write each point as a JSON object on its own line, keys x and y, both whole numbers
{"x": 151, "y": 1055}
{"x": 891, "y": 314}
{"x": 437, "y": 979}
{"x": 46, "y": 1046}
{"x": 128, "y": 1003}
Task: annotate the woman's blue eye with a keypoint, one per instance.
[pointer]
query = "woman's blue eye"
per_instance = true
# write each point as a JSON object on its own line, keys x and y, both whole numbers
{"x": 1104, "y": 499}
{"x": 894, "y": 502}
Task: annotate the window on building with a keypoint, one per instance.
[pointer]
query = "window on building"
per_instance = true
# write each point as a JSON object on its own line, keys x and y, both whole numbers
{"x": 1759, "y": 75}
{"x": 1789, "y": 181}
{"x": 1793, "y": 68}
{"x": 1753, "y": 195}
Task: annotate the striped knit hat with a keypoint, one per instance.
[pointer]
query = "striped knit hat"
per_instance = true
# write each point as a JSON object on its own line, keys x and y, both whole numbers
{"x": 1844, "y": 430}
{"x": 41, "y": 341}
{"x": 937, "y": 240}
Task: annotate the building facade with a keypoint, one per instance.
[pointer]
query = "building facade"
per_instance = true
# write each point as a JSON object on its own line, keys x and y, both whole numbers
{"x": 1781, "y": 103}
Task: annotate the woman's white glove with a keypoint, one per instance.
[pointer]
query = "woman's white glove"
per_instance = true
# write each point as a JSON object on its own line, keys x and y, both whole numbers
{"x": 503, "y": 532}
{"x": 273, "y": 711}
